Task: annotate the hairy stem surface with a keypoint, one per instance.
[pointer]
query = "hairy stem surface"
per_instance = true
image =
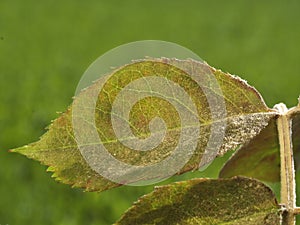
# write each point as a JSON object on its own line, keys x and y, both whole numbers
{"x": 288, "y": 195}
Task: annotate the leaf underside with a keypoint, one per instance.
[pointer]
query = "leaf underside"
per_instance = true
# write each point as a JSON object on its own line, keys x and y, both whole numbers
{"x": 232, "y": 201}
{"x": 246, "y": 116}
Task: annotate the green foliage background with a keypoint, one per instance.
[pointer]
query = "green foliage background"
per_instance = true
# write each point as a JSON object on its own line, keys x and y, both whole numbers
{"x": 45, "y": 46}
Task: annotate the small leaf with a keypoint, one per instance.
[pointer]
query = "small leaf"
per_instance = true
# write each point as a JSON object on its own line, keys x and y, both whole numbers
{"x": 258, "y": 159}
{"x": 209, "y": 202}
{"x": 73, "y": 156}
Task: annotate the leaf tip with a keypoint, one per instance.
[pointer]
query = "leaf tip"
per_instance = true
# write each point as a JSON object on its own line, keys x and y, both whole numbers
{"x": 20, "y": 150}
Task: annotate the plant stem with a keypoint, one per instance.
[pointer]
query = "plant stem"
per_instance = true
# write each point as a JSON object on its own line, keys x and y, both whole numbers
{"x": 296, "y": 211}
{"x": 288, "y": 195}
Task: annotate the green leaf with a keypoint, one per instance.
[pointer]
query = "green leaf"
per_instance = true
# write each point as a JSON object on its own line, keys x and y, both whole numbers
{"x": 79, "y": 165}
{"x": 204, "y": 201}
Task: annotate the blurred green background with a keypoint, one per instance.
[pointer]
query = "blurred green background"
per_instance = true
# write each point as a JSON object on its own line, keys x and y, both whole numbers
{"x": 45, "y": 46}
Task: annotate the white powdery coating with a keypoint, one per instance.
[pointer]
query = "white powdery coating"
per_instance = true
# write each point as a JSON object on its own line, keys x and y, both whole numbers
{"x": 241, "y": 129}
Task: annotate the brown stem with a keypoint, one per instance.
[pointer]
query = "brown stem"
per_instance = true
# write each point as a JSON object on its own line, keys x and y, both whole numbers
{"x": 288, "y": 195}
{"x": 296, "y": 211}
